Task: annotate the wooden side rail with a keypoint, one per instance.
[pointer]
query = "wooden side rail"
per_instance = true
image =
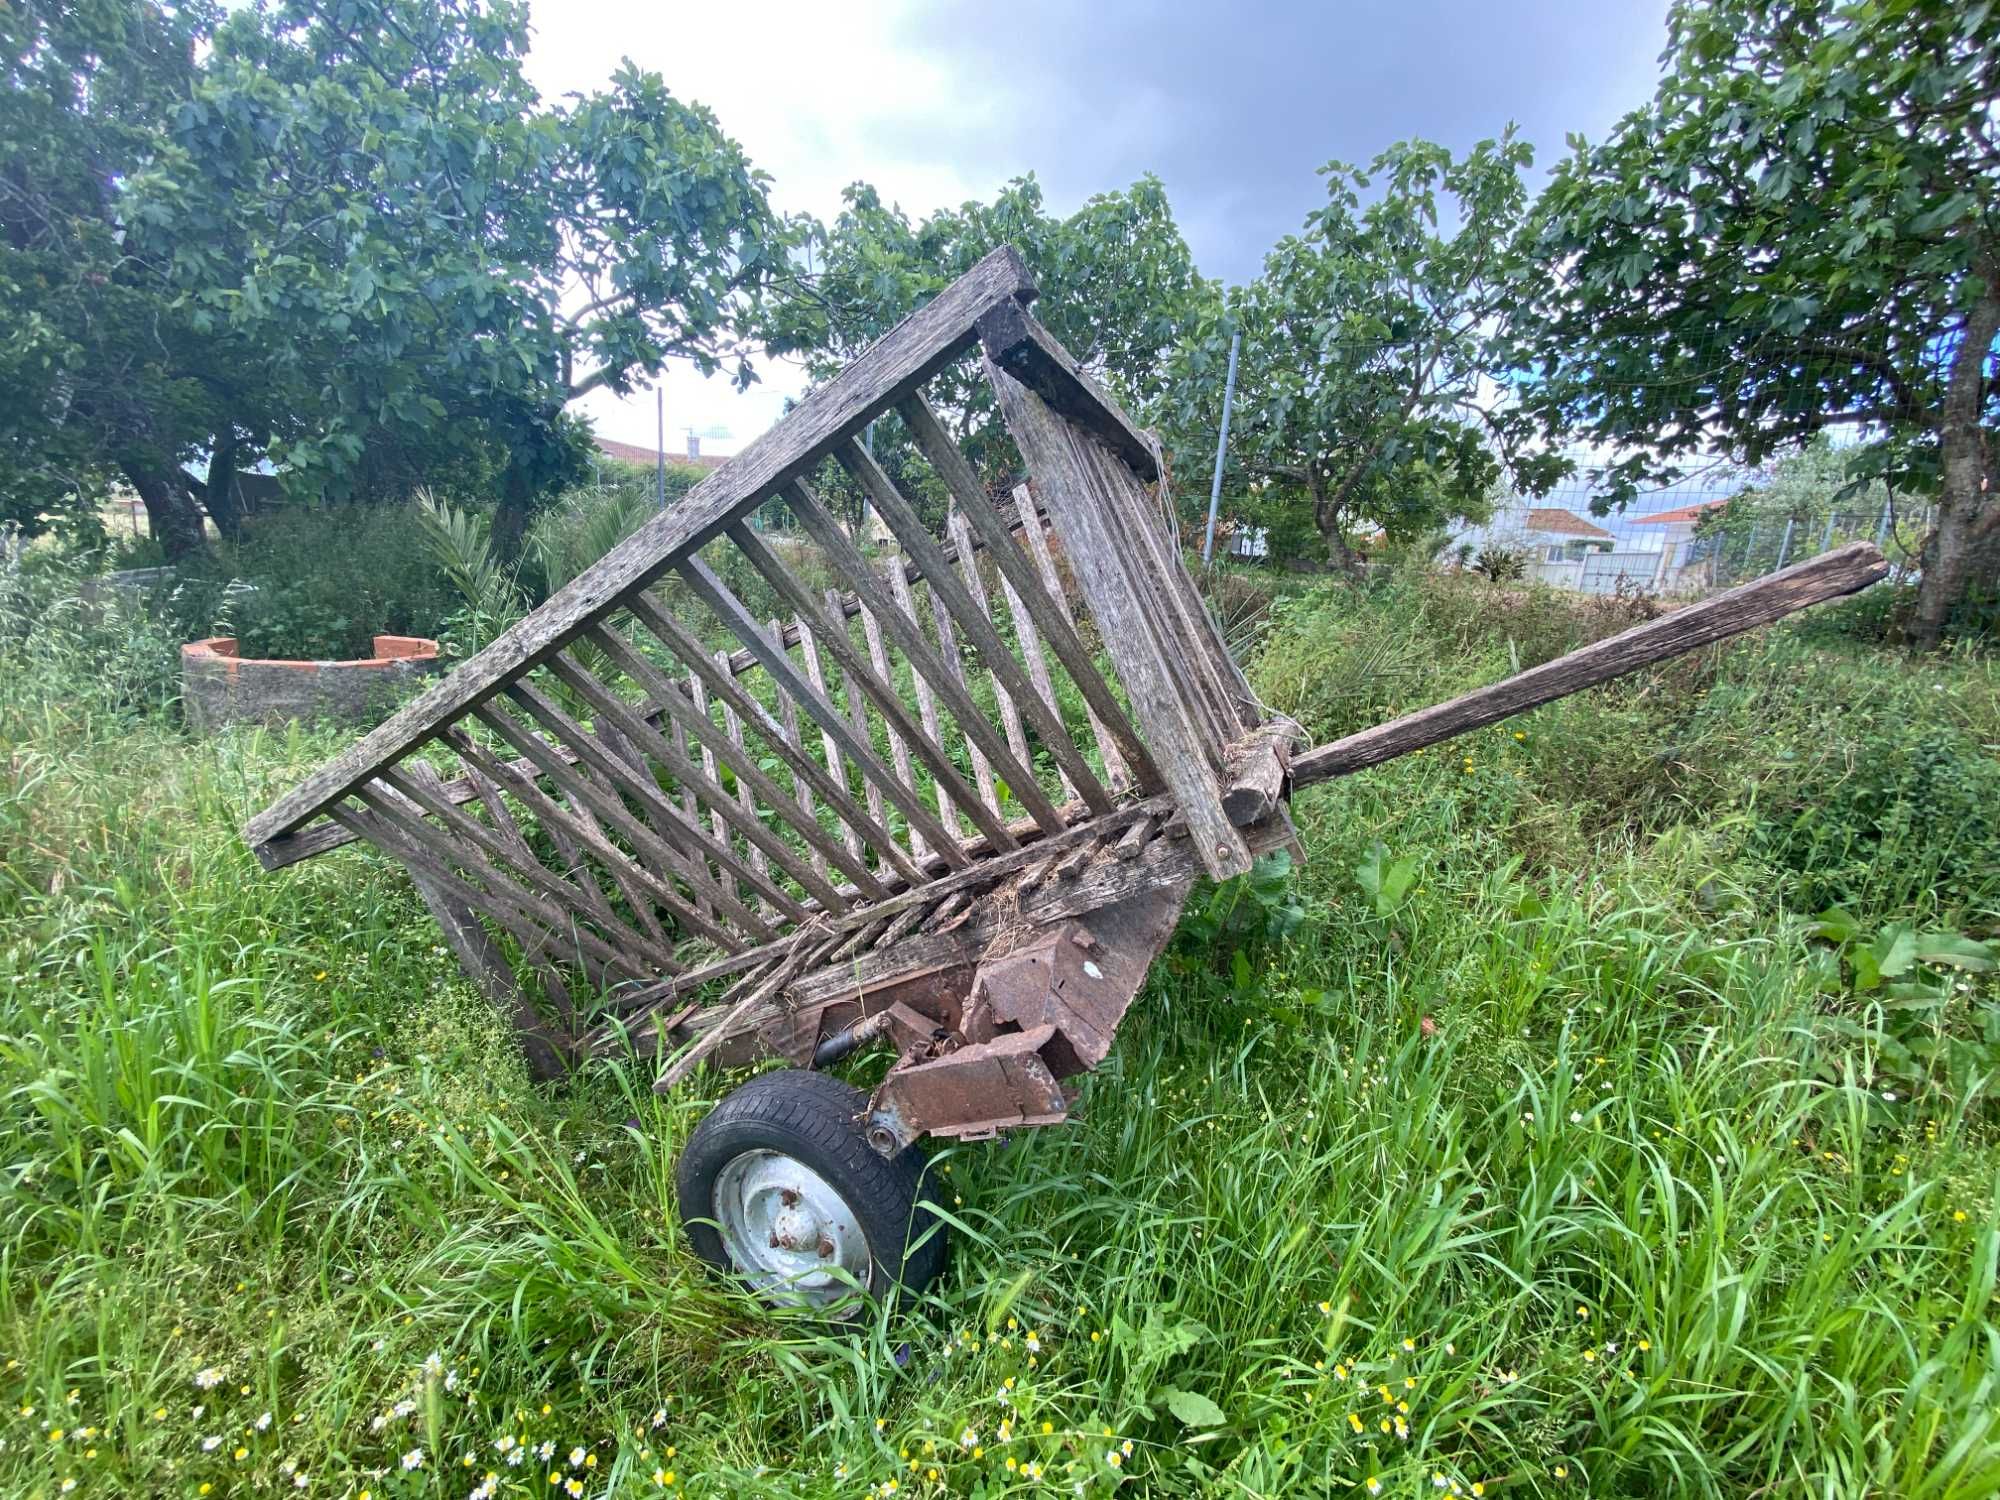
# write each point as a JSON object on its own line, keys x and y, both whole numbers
{"x": 1844, "y": 570}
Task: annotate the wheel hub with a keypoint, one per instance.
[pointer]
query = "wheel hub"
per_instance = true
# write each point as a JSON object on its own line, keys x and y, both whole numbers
{"x": 788, "y": 1231}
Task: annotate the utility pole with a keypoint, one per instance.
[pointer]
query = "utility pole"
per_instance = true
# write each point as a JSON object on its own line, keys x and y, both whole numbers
{"x": 1221, "y": 448}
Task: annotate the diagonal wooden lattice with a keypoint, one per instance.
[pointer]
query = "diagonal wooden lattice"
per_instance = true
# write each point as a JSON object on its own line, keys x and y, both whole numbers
{"x": 648, "y": 783}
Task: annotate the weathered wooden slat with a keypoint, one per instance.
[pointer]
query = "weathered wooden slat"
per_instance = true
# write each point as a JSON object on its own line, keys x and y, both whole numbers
{"x": 1075, "y": 492}
{"x": 1039, "y": 589}
{"x": 709, "y": 789}
{"x": 742, "y": 659}
{"x": 608, "y": 805}
{"x": 716, "y": 594}
{"x": 809, "y": 653}
{"x": 542, "y": 932}
{"x": 1124, "y": 510}
{"x": 978, "y": 628}
{"x": 575, "y": 868}
{"x": 742, "y": 768}
{"x": 954, "y": 666}
{"x": 580, "y": 825}
{"x": 1165, "y": 863}
{"x": 1024, "y": 349}
{"x": 974, "y": 620}
{"x": 880, "y": 692}
{"x": 806, "y": 949}
{"x": 517, "y": 858}
{"x": 899, "y": 751}
{"x": 1135, "y": 838}
{"x": 905, "y": 921}
{"x": 698, "y": 699}
{"x": 903, "y": 607}
{"x": 975, "y": 586}
{"x": 788, "y": 721}
{"x": 677, "y": 638}
{"x": 1126, "y": 761}
{"x": 752, "y": 781}
{"x": 1844, "y": 570}
{"x": 891, "y": 368}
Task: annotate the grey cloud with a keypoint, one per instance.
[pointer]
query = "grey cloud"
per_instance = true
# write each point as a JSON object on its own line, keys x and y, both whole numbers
{"x": 1236, "y": 107}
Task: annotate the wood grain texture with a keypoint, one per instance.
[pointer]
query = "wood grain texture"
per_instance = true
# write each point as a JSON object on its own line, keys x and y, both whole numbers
{"x": 1828, "y": 576}
{"x": 1029, "y": 352}
{"x": 1037, "y": 587}
{"x": 823, "y": 779}
{"x": 956, "y": 606}
{"x": 894, "y": 366}
{"x": 1066, "y": 473}
{"x": 717, "y": 595}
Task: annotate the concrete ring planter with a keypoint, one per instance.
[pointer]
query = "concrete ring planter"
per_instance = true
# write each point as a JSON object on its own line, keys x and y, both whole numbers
{"x": 219, "y": 687}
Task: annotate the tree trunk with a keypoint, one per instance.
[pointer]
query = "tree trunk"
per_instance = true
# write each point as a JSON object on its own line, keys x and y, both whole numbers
{"x": 510, "y": 518}
{"x": 225, "y": 504}
{"x": 1967, "y": 514}
{"x": 1326, "y": 516}
{"x": 171, "y": 514}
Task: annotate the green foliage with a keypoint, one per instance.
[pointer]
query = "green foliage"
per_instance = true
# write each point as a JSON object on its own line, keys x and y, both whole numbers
{"x": 1793, "y": 236}
{"x": 1917, "y": 788}
{"x": 1362, "y": 392}
{"x": 324, "y": 583}
{"x": 260, "y": 1126}
{"x": 354, "y": 241}
{"x": 1116, "y": 282}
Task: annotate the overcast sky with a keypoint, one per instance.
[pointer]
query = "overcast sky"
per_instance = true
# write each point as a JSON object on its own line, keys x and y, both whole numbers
{"x": 1233, "y": 107}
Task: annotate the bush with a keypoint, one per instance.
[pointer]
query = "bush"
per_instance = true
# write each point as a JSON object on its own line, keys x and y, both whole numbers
{"x": 1915, "y": 823}
{"x": 325, "y": 583}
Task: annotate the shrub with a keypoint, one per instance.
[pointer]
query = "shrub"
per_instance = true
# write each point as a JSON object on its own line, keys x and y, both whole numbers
{"x": 325, "y": 583}
{"x": 1917, "y": 816}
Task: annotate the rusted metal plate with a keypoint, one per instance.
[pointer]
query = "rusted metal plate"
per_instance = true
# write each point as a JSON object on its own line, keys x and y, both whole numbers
{"x": 1046, "y": 1009}
{"x": 972, "y": 1093}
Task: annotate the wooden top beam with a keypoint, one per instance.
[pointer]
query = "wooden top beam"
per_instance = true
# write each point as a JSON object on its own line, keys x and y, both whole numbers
{"x": 893, "y": 367}
{"x": 1016, "y": 341}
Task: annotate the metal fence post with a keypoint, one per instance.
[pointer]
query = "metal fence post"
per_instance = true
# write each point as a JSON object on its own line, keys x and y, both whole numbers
{"x": 1221, "y": 447}
{"x": 1785, "y": 546}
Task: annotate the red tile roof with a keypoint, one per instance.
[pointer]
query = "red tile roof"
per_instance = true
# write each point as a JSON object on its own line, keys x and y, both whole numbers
{"x": 632, "y": 453}
{"x": 1687, "y": 513}
{"x": 1565, "y": 523}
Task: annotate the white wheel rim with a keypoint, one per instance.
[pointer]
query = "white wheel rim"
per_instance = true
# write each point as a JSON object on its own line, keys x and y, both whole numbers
{"x": 788, "y": 1232}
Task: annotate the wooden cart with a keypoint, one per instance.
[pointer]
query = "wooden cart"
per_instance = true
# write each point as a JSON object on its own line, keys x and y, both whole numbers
{"x": 950, "y": 805}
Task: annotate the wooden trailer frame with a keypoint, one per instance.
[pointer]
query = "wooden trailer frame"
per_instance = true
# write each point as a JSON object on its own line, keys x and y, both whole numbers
{"x": 645, "y": 790}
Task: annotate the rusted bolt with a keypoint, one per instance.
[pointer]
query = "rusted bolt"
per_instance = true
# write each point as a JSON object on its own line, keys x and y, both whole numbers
{"x": 787, "y": 1197}
{"x": 774, "y": 1239}
{"x": 825, "y": 1247}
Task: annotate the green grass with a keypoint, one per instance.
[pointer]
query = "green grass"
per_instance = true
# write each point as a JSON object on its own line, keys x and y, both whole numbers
{"x": 1584, "y": 1113}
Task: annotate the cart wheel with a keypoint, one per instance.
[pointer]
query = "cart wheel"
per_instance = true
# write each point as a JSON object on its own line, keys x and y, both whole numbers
{"x": 778, "y": 1187}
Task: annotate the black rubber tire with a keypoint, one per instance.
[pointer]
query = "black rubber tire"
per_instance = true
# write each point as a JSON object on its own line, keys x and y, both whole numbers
{"x": 814, "y": 1118}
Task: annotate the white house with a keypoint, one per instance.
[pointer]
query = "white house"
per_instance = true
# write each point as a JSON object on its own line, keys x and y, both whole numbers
{"x": 1680, "y": 570}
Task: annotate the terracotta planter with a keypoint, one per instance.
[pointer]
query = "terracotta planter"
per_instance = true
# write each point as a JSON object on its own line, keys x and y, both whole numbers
{"x": 219, "y": 687}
